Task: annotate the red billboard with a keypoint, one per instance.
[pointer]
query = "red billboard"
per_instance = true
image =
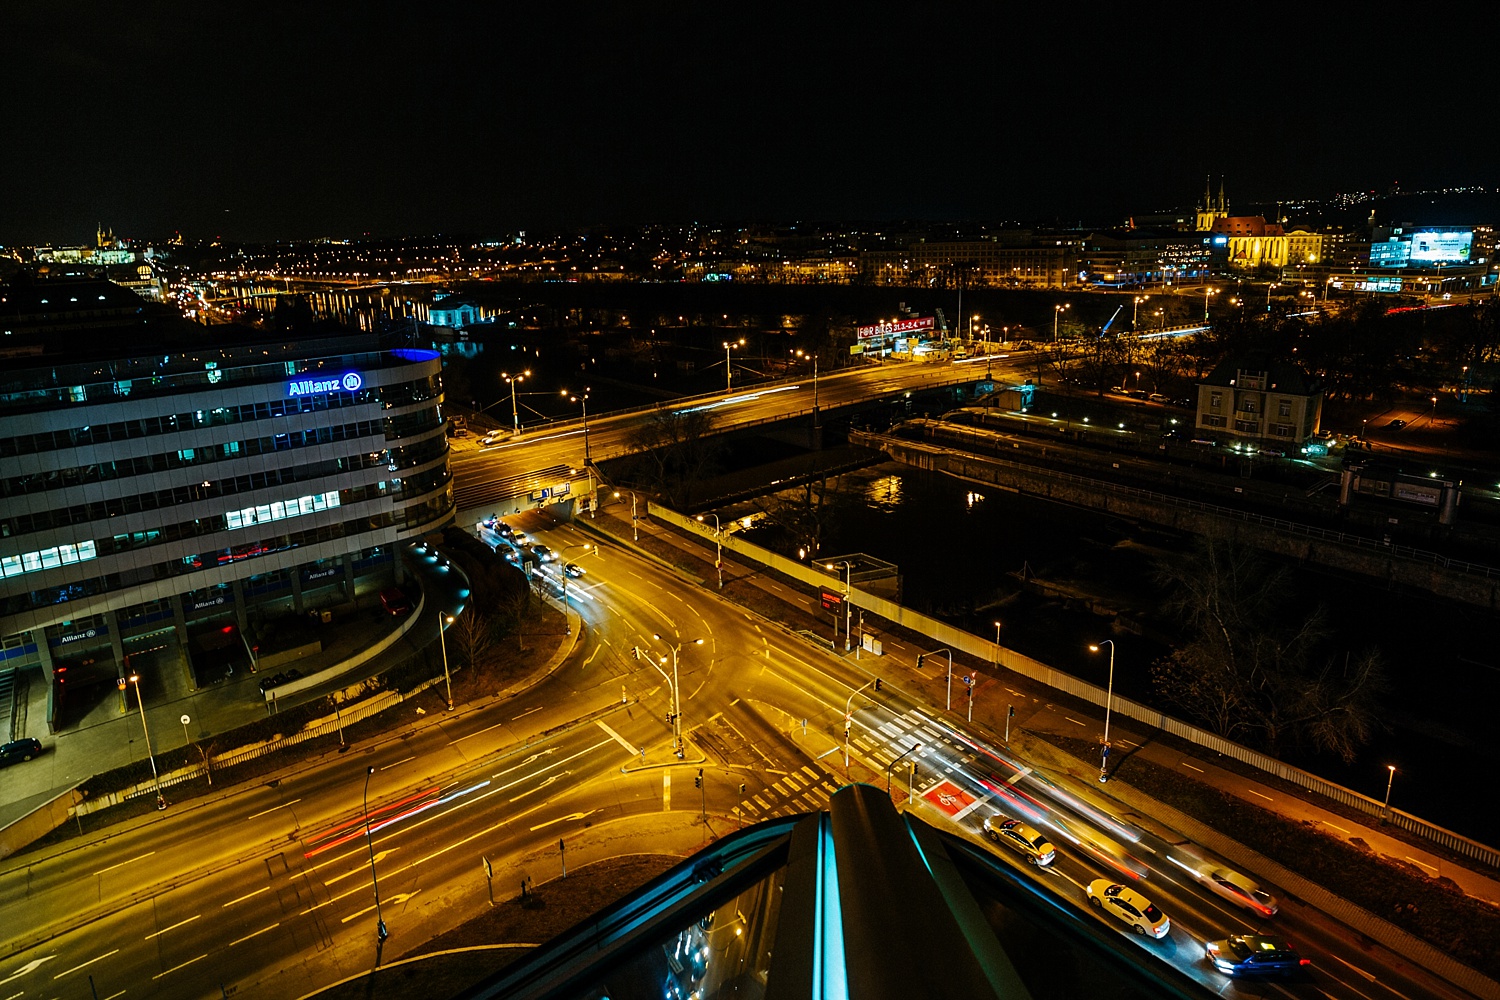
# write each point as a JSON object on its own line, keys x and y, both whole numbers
{"x": 891, "y": 329}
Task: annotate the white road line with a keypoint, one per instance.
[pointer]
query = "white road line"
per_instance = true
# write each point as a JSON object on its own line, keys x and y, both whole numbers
{"x": 1261, "y": 794}
{"x": 164, "y": 930}
{"x": 267, "y": 812}
{"x": 970, "y": 808}
{"x": 110, "y": 997}
{"x": 1368, "y": 976}
{"x": 1198, "y": 769}
{"x": 1424, "y": 864}
{"x": 666, "y": 791}
{"x": 477, "y": 732}
{"x": 122, "y": 864}
{"x": 1335, "y": 826}
{"x": 184, "y": 965}
{"x": 90, "y": 962}
{"x": 258, "y": 933}
{"x": 617, "y": 737}
{"x": 538, "y": 708}
{"x": 247, "y": 895}
{"x": 403, "y": 760}
{"x": 1075, "y": 721}
{"x": 1023, "y": 772}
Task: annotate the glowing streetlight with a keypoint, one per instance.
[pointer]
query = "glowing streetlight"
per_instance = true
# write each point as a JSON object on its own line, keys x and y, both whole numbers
{"x": 1109, "y": 695}
{"x": 515, "y": 414}
{"x": 583, "y": 398}
{"x": 848, "y": 590}
{"x": 161, "y": 802}
{"x": 444, "y": 620}
{"x": 718, "y": 547}
{"x": 380, "y": 932}
{"x": 1056, "y": 312}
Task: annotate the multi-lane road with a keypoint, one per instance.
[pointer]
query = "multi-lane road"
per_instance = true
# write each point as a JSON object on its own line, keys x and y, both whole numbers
{"x": 268, "y": 889}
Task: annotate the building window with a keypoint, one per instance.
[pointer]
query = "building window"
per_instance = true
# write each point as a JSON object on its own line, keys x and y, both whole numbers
{"x": 1285, "y": 408}
{"x": 1214, "y": 399}
{"x": 1282, "y": 430}
{"x": 1247, "y": 426}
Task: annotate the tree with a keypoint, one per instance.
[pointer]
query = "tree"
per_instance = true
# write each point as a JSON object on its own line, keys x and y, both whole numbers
{"x": 676, "y": 449}
{"x": 1251, "y": 670}
{"x": 471, "y": 636}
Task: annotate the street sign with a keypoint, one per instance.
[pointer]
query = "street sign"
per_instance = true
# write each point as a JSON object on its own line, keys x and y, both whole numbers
{"x": 832, "y": 601}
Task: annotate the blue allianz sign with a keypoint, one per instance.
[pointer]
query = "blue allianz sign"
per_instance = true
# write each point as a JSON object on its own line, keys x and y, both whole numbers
{"x": 347, "y": 382}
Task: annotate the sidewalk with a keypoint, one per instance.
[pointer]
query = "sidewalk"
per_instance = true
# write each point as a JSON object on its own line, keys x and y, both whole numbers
{"x": 1038, "y": 717}
{"x": 110, "y": 735}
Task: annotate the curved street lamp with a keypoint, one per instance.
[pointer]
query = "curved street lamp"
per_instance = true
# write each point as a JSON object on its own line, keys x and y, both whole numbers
{"x": 1109, "y": 695}
{"x": 380, "y": 932}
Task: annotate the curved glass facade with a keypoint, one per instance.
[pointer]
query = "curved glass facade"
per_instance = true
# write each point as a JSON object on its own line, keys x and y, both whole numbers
{"x": 225, "y": 479}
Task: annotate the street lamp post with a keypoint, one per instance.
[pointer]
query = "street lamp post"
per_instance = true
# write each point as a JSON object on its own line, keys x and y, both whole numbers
{"x": 1385, "y": 809}
{"x": 515, "y": 413}
{"x": 849, "y": 718}
{"x": 583, "y": 398}
{"x": 161, "y": 802}
{"x": 1056, "y": 312}
{"x": 1109, "y": 695}
{"x": 1135, "y": 309}
{"x": 997, "y": 646}
{"x": 445, "y": 619}
{"x": 380, "y": 932}
{"x": 1272, "y": 285}
{"x": 889, "y": 767}
{"x": 718, "y": 547}
{"x": 676, "y": 693}
{"x": 635, "y": 531}
{"x": 848, "y": 592}
{"x": 1206, "y": 293}
{"x": 728, "y": 366}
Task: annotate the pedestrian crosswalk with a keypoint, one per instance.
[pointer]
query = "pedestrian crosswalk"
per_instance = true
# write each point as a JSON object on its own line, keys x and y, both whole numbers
{"x": 800, "y": 791}
{"x": 910, "y": 738}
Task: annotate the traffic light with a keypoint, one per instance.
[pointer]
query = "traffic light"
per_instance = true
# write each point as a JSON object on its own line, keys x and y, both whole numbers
{"x": 877, "y": 684}
{"x": 920, "y": 658}
{"x": 669, "y": 718}
{"x": 698, "y": 781}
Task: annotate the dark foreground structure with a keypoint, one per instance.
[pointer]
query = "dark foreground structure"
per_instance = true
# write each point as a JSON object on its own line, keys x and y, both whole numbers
{"x": 856, "y": 902}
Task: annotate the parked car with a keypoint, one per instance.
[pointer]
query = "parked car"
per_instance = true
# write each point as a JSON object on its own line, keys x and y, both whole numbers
{"x": 1019, "y": 837}
{"x": 1157, "y": 397}
{"x": 1124, "y": 903}
{"x": 275, "y": 680}
{"x": 395, "y": 602}
{"x": 1254, "y": 954}
{"x": 1240, "y": 890}
{"x": 19, "y": 750}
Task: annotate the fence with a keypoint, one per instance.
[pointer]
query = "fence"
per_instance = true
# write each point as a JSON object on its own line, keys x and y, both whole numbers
{"x": 944, "y": 634}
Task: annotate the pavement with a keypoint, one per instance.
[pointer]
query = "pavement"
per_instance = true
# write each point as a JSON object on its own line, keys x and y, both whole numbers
{"x": 1037, "y": 718}
{"x": 109, "y": 734}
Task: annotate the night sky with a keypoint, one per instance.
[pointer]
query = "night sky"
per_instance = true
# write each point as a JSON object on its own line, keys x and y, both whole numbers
{"x": 267, "y": 121}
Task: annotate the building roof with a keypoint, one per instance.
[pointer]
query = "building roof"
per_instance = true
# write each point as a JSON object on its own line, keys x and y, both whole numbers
{"x": 857, "y": 902}
{"x": 1281, "y": 376}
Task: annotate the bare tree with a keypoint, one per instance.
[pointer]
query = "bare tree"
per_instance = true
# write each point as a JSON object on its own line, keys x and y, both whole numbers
{"x": 676, "y": 449}
{"x": 1253, "y": 672}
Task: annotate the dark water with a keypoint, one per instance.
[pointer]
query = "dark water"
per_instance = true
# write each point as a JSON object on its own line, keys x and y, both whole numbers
{"x": 961, "y": 549}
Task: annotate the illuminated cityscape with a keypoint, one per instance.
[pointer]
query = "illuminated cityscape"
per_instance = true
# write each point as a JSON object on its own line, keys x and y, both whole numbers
{"x": 667, "y": 503}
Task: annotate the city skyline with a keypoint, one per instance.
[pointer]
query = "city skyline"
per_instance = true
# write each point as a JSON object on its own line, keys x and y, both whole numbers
{"x": 306, "y": 123}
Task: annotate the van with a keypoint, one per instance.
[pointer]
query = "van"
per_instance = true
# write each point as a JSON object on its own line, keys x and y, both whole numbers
{"x": 458, "y": 427}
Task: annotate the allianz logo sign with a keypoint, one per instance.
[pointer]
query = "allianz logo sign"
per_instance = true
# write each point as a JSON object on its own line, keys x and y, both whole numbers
{"x": 348, "y": 382}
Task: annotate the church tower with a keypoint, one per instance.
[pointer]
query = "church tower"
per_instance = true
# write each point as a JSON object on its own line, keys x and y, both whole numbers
{"x": 1212, "y": 209}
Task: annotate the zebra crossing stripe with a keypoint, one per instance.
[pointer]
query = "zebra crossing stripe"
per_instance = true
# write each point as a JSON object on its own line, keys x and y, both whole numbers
{"x": 807, "y": 770}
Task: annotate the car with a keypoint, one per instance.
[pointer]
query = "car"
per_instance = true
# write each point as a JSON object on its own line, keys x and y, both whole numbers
{"x": 395, "y": 602}
{"x": 275, "y": 680}
{"x": 493, "y": 437}
{"x": 1124, "y": 903}
{"x": 574, "y": 570}
{"x": 1396, "y": 424}
{"x": 1157, "y": 397}
{"x": 1272, "y": 453}
{"x": 1019, "y": 837}
{"x": 1240, "y": 890}
{"x": 19, "y": 750}
{"x": 1254, "y": 954}
{"x": 542, "y": 553}
{"x": 519, "y": 537}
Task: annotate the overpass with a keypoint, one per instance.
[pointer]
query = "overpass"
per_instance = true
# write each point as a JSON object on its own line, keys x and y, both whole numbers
{"x": 554, "y": 463}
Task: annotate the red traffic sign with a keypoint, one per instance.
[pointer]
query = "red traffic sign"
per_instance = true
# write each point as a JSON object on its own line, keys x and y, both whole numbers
{"x": 832, "y": 600}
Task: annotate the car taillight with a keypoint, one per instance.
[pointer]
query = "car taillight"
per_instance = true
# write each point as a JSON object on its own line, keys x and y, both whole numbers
{"x": 1305, "y": 961}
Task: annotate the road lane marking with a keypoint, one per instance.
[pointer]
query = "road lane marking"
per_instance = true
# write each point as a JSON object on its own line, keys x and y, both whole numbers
{"x": 1362, "y": 972}
{"x": 1335, "y": 826}
{"x": 632, "y": 750}
{"x": 1023, "y": 772}
{"x": 164, "y": 930}
{"x": 1198, "y": 769}
{"x": 403, "y": 760}
{"x": 30, "y": 966}
{"x": 184, "y": 965}
{"x": 666, "y": 791}
{"x": 85, "y": 965}
{"x": 1261, "y": 794}
{"x": 266, "y": 812}
{"x": 1424, "y": 864}
{"x": 258, "y": 933}
{"x": 477, "y": 732}
{"x": 248, "y": 895}
{"x": 538, "y": 708}
{"x": 1075, "y": 721}
{"x": 563, "y": 819}
{"x": 122, "y": 864}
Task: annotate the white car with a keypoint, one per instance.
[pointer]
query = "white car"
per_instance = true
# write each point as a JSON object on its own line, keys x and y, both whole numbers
{"x": 1124, "y": 903}
{"x": 1240, "y": 890}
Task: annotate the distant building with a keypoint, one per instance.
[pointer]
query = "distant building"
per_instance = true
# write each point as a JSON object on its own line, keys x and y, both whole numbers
{"x": 1252, "y": 398}
{"x": 452, "y": 311}
{"x": 1135, "y": 258}
{"x": 110, "y": 259}
{"x": 1249, "y": 242}
{"x": 1019, "y": 260}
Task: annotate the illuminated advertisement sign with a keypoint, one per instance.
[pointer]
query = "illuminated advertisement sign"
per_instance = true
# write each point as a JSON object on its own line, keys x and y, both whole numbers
{"x": 1433, "y": 246}
{"x": 890, "y": 329}
{"x": 347, "y": 382}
